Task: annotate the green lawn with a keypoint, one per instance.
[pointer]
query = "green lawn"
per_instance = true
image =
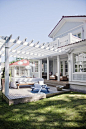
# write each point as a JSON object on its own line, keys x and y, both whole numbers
{"x": 66, "y": 111}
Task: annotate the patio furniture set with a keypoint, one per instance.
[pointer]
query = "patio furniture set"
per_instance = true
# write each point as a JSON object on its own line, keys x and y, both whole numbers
{"x": 62, "y": 78}
{"x": 39, "y": 86}
{"x": 33, "y": 83}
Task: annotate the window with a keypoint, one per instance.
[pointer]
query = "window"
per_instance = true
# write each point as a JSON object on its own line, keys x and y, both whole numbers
{"x": 45, "y": 67}
{"x": 79, "y": 35}
{"x": 17, "y": 70}
{"x": 36, "y": 66}
{"x": 32, "y": 66}
{"x": 80, "y": 62}
{"x": 23, "y": 71}
{"x": 66, "y": 68}
{"x": 61, "y": 68}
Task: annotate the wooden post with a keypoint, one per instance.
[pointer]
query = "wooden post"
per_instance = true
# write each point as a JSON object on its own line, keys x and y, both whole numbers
{"x": 7, "y": 66}
{"x": 63, "y": 68}
{"x": 47, "y": 68}
{"x": 53, "y": 67}
{"x": 58, "y": 61}
{"x": 69, "y": 38}
{"x": 40, "y": 68}
{"x": 70, "y": 66}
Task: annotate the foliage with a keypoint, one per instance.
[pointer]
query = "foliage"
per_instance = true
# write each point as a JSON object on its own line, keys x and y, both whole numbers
{"x": 17, "y": 59}
{"x": 66, "y": 111}
{"x": 3, "y": 74}
{"x": 12, "y": 62}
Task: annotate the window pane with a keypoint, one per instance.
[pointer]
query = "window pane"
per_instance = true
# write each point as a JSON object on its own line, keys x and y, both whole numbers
{"x": 80, "y": 62}
{"x": 66, "y": 68}
{"x": 79, "y": 35}
{"x": 17, "y": 70}
{"x": 36, "y": 66}
{"x": 32, "y": 67}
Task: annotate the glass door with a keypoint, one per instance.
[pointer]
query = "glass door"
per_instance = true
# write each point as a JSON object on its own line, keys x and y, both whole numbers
{"x": 61, "y": 74}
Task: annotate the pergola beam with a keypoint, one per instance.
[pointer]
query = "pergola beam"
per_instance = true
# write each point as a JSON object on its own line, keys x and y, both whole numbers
{"x": 37, "y": 50}
{"x": 32, "y": 50}
{"x": 30, "y": 53}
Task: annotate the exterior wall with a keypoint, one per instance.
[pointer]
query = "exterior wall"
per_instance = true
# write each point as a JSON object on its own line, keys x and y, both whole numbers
{"x": 84, "y": 30}
{"x": 78, "y": 76}
{"x": 51, "y": 66}
{"x": 13, "y": 70}
{"x": 34, "y": 74}
{"x": 63, "y": 61}
{"x": 69, "y": 27}
{"x": 79, "y": 88}
{"x": 54, "y": 66}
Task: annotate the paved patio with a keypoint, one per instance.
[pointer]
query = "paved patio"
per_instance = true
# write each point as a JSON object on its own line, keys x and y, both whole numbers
{"x": 23, "y": 95}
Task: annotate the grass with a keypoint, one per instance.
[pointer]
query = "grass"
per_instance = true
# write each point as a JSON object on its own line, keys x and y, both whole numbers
{"x": 63, "y": 111}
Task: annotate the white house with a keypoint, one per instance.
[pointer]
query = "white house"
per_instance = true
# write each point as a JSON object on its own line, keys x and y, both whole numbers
{"x": 19, "y": 68}
{"x": 69, "y": 37}
{"x": 65, "y": 55}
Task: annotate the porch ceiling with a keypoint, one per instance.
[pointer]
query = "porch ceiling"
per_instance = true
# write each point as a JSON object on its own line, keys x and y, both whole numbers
{"x": 30, "y": 50}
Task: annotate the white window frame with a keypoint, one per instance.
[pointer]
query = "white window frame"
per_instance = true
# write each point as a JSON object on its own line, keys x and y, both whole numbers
{"x": 36, "y": 66}
{"x": 80, "y": 63}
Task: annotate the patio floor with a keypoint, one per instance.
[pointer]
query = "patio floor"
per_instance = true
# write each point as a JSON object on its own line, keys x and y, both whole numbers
{"x": 23, "y": 95}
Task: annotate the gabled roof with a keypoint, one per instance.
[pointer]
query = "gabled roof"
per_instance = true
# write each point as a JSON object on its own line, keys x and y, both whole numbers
{"x": 66, "y": 18}
{"x": 21, "y": 63}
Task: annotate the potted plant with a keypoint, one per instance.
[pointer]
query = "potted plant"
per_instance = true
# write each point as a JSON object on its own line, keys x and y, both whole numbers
{"x": 3, "y": 80}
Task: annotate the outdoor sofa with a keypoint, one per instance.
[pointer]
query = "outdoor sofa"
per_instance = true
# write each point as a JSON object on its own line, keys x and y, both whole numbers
{"x": 19, "y": 82}
{"x": 53, "y": 77}
{"x": 63, "y": 78}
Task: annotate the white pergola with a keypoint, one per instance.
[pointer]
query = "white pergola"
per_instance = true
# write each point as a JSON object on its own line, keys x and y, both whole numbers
{"x": 22, "y": 49}
{"x": 25, "y": 49}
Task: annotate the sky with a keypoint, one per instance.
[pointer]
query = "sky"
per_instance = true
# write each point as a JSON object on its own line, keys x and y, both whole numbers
{"x": 34, "y": 19}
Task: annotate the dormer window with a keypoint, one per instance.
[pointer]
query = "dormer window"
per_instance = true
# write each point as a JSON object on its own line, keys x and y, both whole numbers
{"x": 79, "y": 35}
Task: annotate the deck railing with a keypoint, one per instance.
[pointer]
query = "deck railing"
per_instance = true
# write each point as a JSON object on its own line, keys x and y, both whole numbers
{"x": 68, "y": 39}
{"x": 81, "y": 77}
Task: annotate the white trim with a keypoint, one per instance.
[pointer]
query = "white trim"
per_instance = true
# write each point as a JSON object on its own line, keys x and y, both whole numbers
{"x": 78, "y": 83}
{"x": 63, "y": 68}
{"x": 7, "y": 66}
{"x": 68, "y": 31}
{"x": 79, "y": 73}
{"x": 47, "y": 68}
{"x": 40, "y": 68}
{"x": 58, "y": 61}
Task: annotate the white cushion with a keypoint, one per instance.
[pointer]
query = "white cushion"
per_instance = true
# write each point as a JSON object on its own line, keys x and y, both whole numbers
{"x": 22, "y": 82}
{"x": 52, "y": 75}
{"x": 41, "y": 82}
{"x": 29, "y": 82}
{"x": 56, "y": 74}
{"x": 37, "y": 86}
